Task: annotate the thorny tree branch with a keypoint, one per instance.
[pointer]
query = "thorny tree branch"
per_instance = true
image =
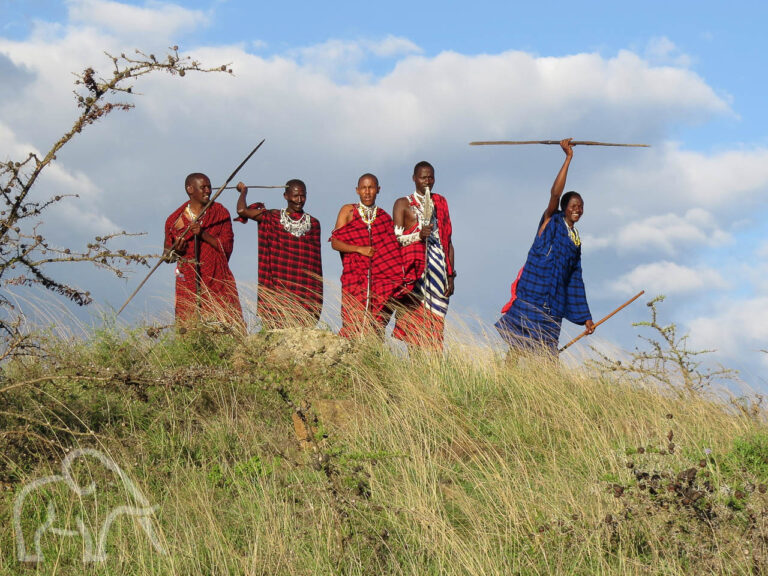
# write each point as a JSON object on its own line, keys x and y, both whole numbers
{"x": 668, "y": 360}
{"x": 25, "y": 254}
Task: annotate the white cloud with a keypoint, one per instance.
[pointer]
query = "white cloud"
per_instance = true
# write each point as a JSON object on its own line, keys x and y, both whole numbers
{"x": 667, "y": 233}
{"x": 662, "y": 51}
{"x": 736, "y": 328}
{"x": 723, "y": 177}
{"x": 341, "y": 59}
{"x": 328, "y": 118}
{"x": 155, "y": 19}
{"x": 83, "y": 216}
{"x": 669, "y": 278}
{"x": 392, "y": 46}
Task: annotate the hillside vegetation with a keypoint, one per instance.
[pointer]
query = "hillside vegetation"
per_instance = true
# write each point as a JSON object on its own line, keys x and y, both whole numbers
{"x": 299, "y": 453}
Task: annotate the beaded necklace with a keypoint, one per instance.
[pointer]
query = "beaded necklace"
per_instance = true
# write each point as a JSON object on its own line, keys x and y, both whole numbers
{"x": 295, "y": 228}
{"x": 367, "y": 213}
{"x": 191, "y": 215}
{"x": 573, "y": 234}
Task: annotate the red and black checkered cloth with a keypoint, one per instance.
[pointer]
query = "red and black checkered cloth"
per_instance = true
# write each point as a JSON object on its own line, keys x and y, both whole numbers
{"x": 386, "y": 271}
{"x": 290, "y": 273}
{"x": 218, "y": 292}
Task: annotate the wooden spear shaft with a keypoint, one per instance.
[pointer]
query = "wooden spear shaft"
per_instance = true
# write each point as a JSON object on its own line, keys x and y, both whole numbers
{"x": 208, "y": 205}
{"x": 627, "y": 303}
{"x": 573, "y": 143}
{"x": 254, "y": 186}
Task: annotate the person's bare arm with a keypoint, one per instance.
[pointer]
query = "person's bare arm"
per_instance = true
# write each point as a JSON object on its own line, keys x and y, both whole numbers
{"x": 449, "y": 289}
{"x": 256, "y": 213}
{"x": 403, "y": 219}
{"x": 559, "y": 184}
{"x": 345, "y": 216}
{"x": 400, "y": 212}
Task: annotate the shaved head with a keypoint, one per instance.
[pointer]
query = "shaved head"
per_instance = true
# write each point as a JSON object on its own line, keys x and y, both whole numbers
{"x": 367, "y": 175}
{"x": 192, "y": 177}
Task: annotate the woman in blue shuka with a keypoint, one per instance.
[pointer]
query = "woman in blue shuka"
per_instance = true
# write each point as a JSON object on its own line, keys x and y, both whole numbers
{"x": 550, "y": 286}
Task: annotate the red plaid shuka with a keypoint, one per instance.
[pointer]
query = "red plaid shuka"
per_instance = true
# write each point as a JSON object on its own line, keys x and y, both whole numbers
{"x": 290, "y": 274}
{"x": 386, "y": 273}
{"x": 218, "y": 292}
{"x": 413, "y": 254}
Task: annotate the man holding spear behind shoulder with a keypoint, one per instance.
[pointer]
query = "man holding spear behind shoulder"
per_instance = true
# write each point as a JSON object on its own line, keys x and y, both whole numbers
{"x": 550, "y": 285}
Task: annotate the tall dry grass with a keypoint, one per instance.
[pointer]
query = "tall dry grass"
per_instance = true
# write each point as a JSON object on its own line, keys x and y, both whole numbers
{"x": 361, "y": 460}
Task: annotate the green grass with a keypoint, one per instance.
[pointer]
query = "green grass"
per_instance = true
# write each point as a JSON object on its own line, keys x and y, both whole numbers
{"x": 450, "y": 464}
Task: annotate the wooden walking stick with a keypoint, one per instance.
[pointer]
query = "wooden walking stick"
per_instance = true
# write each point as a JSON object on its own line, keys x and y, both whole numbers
{"x": 551, "y": 142}
{"x": 198, "y": 278}
{"x": 627, "y": 303}
{"x": 169, "y": 254}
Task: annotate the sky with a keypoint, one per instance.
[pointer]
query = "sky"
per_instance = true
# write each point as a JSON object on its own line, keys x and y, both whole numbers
{"x": 343, "y": 88}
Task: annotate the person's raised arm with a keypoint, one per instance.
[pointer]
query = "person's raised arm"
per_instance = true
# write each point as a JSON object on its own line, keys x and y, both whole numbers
{"x": 255, "y": 213}
{"x": 559, "y": 184}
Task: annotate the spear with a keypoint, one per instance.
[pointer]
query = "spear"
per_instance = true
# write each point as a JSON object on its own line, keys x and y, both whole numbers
{"x": 167, "y": 257}
{"x": 573, "y": 143}
{"x": 254, "y": 186}
{"x": 627, "y": 303}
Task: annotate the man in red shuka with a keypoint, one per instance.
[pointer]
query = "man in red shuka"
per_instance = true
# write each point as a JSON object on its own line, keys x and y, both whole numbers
{"x": 205, "y": 287}
{"x": 427, "y": 252}
{"x": 290, "y": 265}
{"x": 372, "y": 266}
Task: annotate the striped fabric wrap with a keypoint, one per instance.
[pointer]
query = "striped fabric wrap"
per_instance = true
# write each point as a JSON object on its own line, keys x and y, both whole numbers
{"x": 432, "y": 286}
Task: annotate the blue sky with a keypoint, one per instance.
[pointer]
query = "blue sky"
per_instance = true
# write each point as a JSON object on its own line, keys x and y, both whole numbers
{"x": 342, "y": 88}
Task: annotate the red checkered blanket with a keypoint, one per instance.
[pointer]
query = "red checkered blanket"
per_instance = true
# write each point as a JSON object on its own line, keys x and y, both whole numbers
{"x": 218, "y": 292}
{"x": 385, "y": 268}
{"x": 290, "y": 273}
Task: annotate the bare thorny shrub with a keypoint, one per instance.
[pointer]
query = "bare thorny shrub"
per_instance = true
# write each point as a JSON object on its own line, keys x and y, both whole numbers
{"x": 25, "y": 253}
{"x": 667, "y": 359}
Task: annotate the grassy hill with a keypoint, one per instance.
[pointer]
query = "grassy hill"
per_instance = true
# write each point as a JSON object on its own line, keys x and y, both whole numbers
{"x": 299, "y": 453}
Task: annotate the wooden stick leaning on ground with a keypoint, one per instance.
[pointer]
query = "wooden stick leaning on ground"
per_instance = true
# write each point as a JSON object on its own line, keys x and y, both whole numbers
{"x": 573, "y": 143}
{"x": 168, "y": 254}
{"x": 627, "y": 303}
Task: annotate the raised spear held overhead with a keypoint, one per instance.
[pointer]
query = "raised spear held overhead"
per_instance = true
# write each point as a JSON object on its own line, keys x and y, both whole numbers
{"x": 280, "y": 186}
{"x": 553, "y": 142}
